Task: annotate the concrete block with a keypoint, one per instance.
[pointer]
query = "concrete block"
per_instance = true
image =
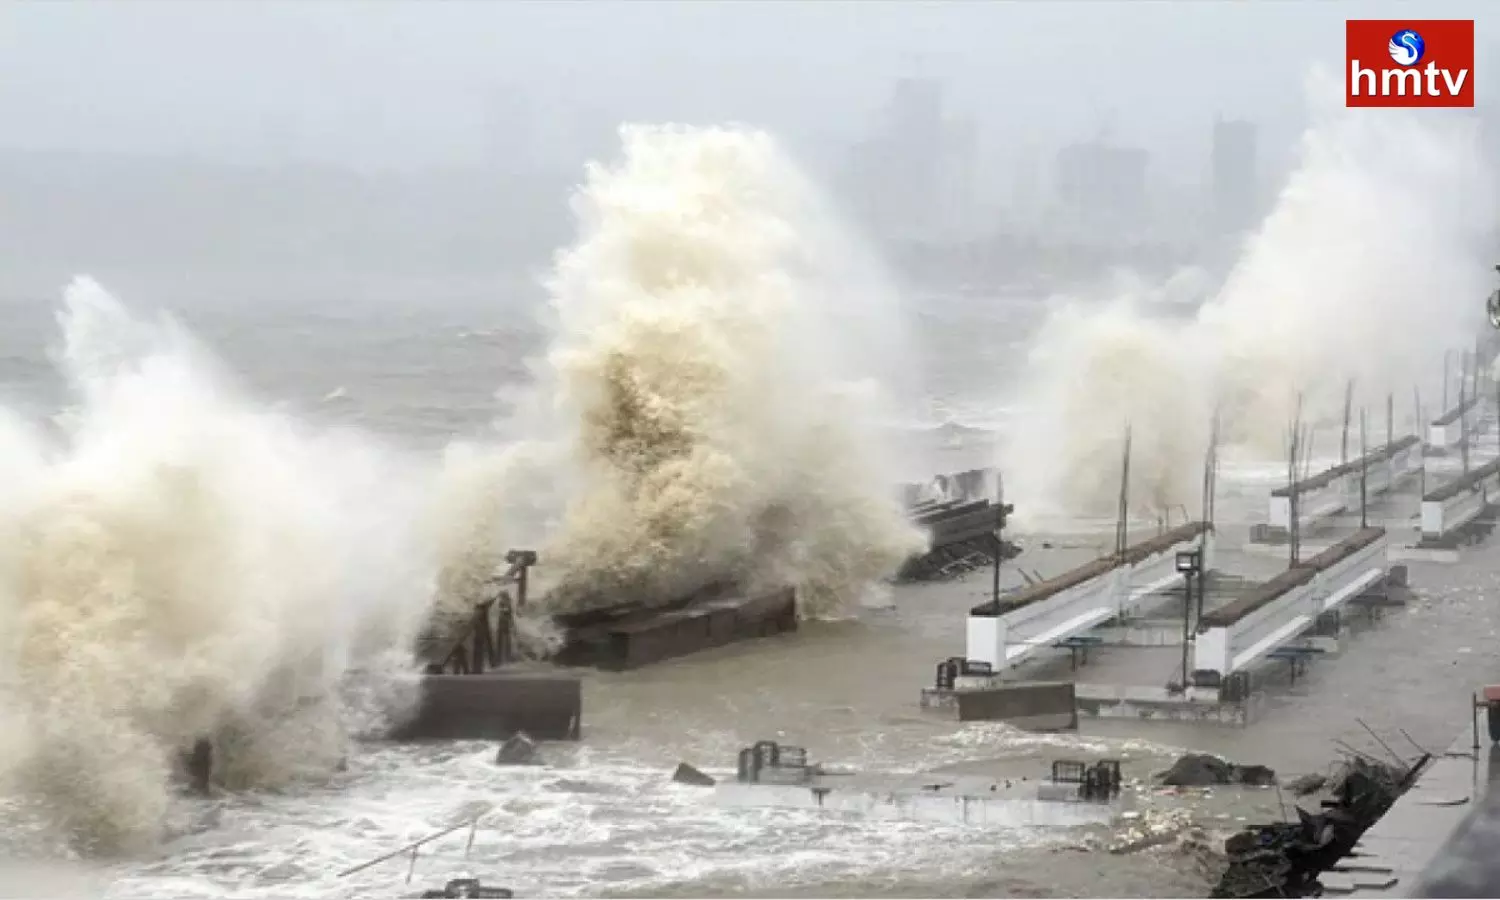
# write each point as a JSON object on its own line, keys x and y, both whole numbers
{"x": 495, "y": 706}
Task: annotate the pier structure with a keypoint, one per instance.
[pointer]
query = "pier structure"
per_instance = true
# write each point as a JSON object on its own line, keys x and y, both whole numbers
{"x": 1005, "y": 631}
{"x": 471, "y": 690}
{"x": 1460, "y": 510}
{"x": 963, "y": 516}
{"x": 1176, "y": 630}
{"x": 1345, "y": 488}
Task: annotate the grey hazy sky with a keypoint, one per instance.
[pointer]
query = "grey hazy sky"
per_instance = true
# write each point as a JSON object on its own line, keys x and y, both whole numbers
{"x": 389, "y": 83}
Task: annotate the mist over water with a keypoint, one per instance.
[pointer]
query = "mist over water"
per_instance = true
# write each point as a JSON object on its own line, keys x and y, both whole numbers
{"x": 699, "y": 415}
{"x": 1370, "y": 266}
{"x": 180, "y": 561}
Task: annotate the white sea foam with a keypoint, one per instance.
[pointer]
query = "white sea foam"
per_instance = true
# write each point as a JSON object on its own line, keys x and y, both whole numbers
{"x": 700, "y": 413}
{"x": 176, "y": 562}
{"x": 1370, "y": 266}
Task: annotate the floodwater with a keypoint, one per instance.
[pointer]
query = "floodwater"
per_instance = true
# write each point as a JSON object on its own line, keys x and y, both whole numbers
{"x": 602, "y": 818}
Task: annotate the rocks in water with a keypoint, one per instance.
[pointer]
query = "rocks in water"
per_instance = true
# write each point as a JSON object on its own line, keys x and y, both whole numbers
{"x": 1203, "y": 770}
{"x": 1284, "y": 859}
{"x": 1255, "y": 776}
{"x": 687, "y": 774}
{"x": 518, "y": 750}
{"x": 1307, "y": 784}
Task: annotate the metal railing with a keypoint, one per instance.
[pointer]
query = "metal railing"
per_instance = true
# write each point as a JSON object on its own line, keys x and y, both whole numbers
{"x": 483, "y": 645}
{"x": 415, "y": 847}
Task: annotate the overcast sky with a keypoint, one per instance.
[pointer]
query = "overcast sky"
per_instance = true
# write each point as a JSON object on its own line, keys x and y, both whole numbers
{"x": 406, "y": 84}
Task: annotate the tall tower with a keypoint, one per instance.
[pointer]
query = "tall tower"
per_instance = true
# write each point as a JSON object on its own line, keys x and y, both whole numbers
{"x": 1234, "y": 180}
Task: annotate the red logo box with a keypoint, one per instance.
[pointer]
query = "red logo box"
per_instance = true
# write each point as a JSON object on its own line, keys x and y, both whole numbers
{"x": 1396, "y": 62}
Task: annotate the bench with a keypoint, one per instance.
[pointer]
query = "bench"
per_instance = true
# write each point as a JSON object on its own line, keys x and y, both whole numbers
{"x": 1078, "y": 647}
{"x": 1296, "y": 658}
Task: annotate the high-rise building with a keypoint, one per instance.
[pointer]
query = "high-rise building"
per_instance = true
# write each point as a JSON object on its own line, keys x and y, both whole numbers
{"x": 959, "y": 180}
{"x": 1101, "y": 188}
{"x": 1235, "y": 176}
{"x": 916, "y": 177}
{"x": 915, "y": 107}
{"x": 913, "y": 145}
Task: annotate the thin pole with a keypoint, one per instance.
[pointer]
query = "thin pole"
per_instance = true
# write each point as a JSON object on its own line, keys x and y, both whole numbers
{"x": 1446, "y": 364}
{"x": 1463, "y": 422}
{"x": 1364, "y": 466}
{"x": 1344, "y": 438}
{"x": 1122, "y": 526}
{"x": 1390, "y": 419}
{"x": 995, "y": 588}
{"x": 1187, "y": 596}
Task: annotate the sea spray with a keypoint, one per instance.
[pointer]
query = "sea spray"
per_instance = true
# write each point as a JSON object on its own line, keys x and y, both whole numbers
{"x": 699, "y": 415}
{"x": 181, "y": 562}
{"x": 1369, "y": 266}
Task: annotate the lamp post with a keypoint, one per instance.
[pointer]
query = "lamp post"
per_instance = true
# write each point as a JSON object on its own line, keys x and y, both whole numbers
{"x": 1003, "y": 510}
{"x": 1492, "y": 306}
{"x": 1190, "y": 564}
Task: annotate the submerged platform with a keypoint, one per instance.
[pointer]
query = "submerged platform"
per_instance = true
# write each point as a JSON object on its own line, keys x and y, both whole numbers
{"x": 1147, "y": 702}
{"x": 945, "y": 799}
{"x": 1076, "y": 793}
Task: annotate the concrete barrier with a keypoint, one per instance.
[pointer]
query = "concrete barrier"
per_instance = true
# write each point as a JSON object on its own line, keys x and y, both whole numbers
{"x": 1239, "y": 634}
{"x": 1002, "y": 633}
{"x": 1034, "y": 705}
{"x": 1449, "y": 510}
{"x": 629, "y": 638}
{"x": 494, "y": 706}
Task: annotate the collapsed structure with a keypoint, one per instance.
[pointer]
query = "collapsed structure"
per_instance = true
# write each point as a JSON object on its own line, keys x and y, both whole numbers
{"x": 1285, "y": 859}
{"x": 963, "y": 516}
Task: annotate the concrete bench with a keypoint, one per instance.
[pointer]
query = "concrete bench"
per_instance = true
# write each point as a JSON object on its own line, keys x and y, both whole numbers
{"x": 1078, "y": 647}
{"x": 1296, "y": 657}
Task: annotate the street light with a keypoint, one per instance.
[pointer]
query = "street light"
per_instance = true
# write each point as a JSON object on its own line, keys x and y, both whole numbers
{"x": 1189, "y": 563}
{"x": 1492, "y": 307}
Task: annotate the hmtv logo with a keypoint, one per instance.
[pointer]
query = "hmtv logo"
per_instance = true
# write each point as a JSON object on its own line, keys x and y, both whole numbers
{"x": 1427, "y": 62}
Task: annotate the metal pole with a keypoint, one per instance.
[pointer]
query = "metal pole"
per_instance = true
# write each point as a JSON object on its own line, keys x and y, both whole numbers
{"x": 1348, "y": 406}
{"x": 995, "y": 588}
{"x": 1474, "y": 717}
{"x": 1187, "y": 595}
{"x": 1446, "y": 355}
{"x": 1390, "y": 419}
{"x": 1364, "y": 469}
{"x": 1463, "y": 422}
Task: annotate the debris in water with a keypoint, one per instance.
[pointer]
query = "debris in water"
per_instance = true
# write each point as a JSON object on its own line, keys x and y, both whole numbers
{"x": 1284, "y": 859}
{"x": 519, "y": 750}
{"x": 687, "y": 774}
{"x": 1307, "y": 784}
{"x": 1201, "y": 770}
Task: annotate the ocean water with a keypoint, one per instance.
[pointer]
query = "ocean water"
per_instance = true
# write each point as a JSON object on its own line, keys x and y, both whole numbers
{"x": 231, "y": 518}
{"x": 603, "y": 818}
